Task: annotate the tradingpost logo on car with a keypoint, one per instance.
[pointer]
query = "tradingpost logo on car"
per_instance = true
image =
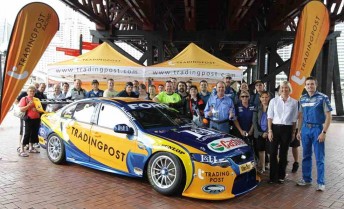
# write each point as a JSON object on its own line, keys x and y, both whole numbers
{"x": 225, "y": 144}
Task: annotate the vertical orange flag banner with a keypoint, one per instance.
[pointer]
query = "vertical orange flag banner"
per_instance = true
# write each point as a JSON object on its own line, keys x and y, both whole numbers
{"x": 35, "y": 26}
{"x": 312, "y": 30}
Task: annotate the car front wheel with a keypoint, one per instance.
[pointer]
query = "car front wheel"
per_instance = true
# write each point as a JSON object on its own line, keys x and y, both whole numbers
{"x": 56, "y": 149}
{"x": 165, "y": 173}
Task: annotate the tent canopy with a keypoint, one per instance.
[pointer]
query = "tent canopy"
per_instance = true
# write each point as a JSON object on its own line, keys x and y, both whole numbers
{"x": 102, "y": 61}
{"x": 194, "y": 63}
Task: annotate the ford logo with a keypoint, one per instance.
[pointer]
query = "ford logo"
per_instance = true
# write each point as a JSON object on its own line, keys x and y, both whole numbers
{"x": 213, "y": 188}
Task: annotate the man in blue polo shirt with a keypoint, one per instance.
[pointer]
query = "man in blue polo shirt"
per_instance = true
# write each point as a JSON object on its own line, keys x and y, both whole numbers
{"x": 95, "y": 92}
{"x": 220, "y": 109}
{"x": 314, "y": 120}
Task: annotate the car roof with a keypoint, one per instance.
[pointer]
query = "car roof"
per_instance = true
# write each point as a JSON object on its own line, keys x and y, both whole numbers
{"x": 123, "y": 101}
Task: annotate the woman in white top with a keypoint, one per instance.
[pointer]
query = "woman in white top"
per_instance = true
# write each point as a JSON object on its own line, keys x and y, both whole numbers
{"x": 110, "y": 91}
{"x": 282, "y": 116}
{"x": 57, "y": 95}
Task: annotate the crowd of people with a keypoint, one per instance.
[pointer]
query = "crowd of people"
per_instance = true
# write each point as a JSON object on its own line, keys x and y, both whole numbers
{"x": 267, "y": 123}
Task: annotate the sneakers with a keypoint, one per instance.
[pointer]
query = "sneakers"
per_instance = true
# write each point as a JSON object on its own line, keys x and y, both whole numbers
{"x": 295, "y": 167}
{"x": 302, "y": 182}
{"x": 321, "y": 187}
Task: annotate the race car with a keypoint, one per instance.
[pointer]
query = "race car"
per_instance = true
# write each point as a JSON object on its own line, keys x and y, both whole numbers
{"x": 140, "y": 138}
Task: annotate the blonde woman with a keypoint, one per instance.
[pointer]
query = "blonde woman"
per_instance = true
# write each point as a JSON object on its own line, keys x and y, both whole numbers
{"x": 31, "y": 123}
{"x": 282, "y": 116}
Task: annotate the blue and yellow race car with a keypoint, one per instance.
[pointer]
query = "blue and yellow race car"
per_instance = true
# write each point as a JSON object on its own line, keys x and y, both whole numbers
{"x": 141, "y": 138}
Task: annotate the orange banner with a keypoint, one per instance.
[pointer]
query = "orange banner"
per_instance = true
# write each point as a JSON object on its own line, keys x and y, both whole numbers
{"x": 312, "y": 30}
{"x": 35, "y": 26}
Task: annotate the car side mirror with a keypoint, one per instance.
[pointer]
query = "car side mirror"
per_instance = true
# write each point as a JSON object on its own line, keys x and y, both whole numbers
{"x": 123, "y": 129}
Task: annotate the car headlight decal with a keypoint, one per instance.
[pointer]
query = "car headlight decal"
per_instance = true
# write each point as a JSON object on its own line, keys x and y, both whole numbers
{"x": 211, "y": 160}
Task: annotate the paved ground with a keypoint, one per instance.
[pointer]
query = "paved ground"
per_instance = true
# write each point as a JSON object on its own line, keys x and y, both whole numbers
{"x": 35, "y": 182}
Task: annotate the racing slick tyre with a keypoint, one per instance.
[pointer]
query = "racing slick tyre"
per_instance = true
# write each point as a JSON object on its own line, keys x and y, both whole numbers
{"x": 166, "y": 174}
{"x": 56, "y": 149}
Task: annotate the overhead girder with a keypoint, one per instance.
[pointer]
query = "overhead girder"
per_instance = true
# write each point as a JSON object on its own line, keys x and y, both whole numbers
{"x": 177, "y": 16}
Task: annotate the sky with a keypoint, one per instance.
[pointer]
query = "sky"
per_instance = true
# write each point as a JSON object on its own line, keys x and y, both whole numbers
{"x": 10, "y": 11}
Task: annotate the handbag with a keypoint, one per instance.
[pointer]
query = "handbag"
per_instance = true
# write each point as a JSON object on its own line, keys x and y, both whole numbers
{"x": 18, "y": 113}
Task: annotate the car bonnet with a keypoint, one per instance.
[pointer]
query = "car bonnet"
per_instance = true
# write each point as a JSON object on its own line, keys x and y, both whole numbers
{"x": 204, "y": 139}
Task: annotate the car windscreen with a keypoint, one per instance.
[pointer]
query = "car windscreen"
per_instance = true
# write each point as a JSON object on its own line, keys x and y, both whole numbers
{"x": 158, "y": 117}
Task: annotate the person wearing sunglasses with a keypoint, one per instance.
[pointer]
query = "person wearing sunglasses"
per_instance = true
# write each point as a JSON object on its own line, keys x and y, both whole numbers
{"x": 243, "y": 122}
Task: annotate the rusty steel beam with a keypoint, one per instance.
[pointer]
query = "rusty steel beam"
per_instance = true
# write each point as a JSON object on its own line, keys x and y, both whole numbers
{"x": 190, "y": 18}
{"x": 89, "y": 9}
{"x": 279, "y": 19}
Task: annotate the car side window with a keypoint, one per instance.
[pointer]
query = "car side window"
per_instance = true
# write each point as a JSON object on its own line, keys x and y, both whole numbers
{"x": 109, "y": 116}
{"x": 68, "y": 112}
{"x": 84, "y": 111}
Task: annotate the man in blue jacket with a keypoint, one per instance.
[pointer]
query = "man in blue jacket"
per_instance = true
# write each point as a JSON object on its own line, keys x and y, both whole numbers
{"x": 314, "y": 120}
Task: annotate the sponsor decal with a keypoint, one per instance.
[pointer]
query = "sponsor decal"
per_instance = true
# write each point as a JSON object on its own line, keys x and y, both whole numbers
{"x": 214, "y": 188}
{"x": 226, "y": 144}
{"x": 246, "y": 167}
{"x": 208, "y": 159}
{"x": 202, "y": 134}
{"x": 146, "y": 105}
{"x": 215, "y": 177}
{"x": 98, "y": 144}
{"x": 173, "y": 148}
{"x": 128, "y": 113}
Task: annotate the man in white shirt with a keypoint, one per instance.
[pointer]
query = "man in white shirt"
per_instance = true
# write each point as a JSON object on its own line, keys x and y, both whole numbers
{"x": 282, "y": 117}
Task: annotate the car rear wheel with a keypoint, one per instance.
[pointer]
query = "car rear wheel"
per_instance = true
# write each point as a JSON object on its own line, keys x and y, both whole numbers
{"x": 165, "y": 173}
{"x": 56, "y": 149}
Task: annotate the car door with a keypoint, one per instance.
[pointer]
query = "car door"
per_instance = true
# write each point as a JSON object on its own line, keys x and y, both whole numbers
{"x": 108, "y": 147}
{"x": 78, "y": 131}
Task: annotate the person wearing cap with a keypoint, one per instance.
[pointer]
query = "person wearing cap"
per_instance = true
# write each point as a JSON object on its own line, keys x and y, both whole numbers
{"x": 259, "y": 87}
{"x": 77, "y": 92}
{"x": 95, "y": 92}
{"x": 314, "y": 121}
{"x": 128, "y": 91}
{"x": 229, "y": 91}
